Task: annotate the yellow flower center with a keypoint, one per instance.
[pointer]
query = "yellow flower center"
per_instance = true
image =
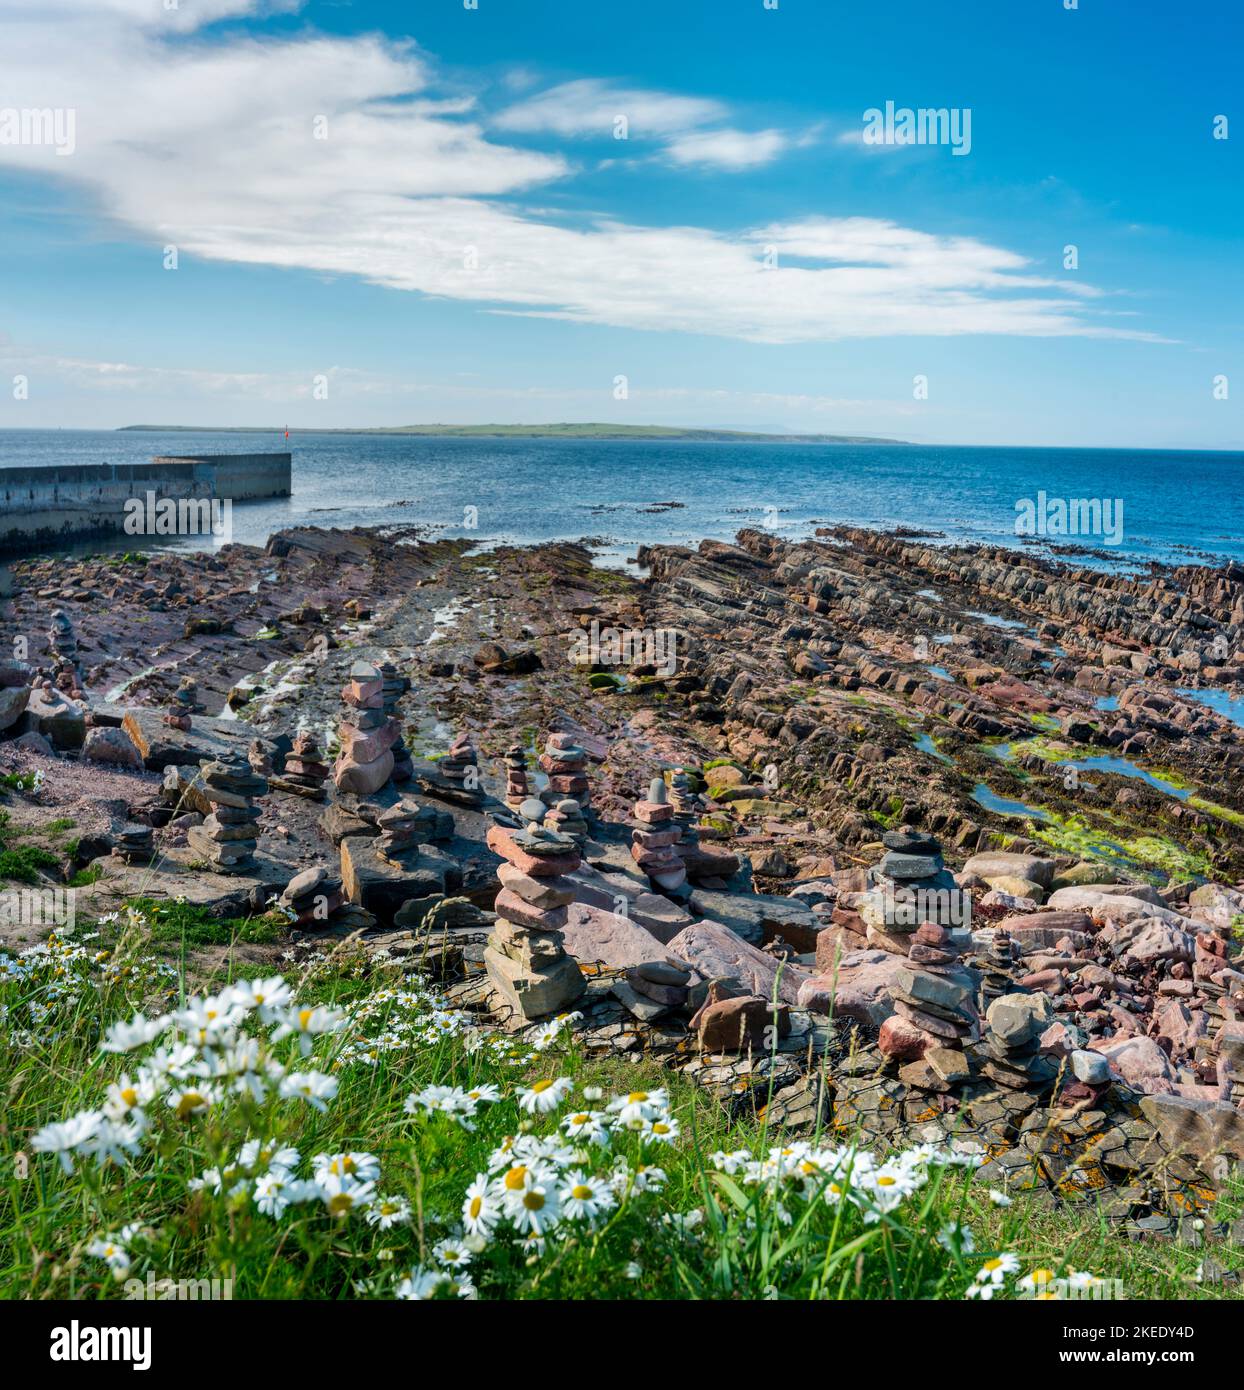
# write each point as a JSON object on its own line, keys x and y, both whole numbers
{"x": 579, "y": 1119}
{"x": 541, "y": 1086}
{"x": 581, "y": 1192}
{"x": 533, "y": 1201}
{"x": 190, "y": 1102}
{"x": 477, "y": 1205}
{"x": 304, "y": 1017}
{"x": 340, "y": 1203}
{"x": 130, "y": 1096}
{"x": 659, "y": 1128}
{"x": 1042, "y": 1276}
{"x": 993, "y": 1264}
{"x": 636, "y": 1096}
{"x": 515, "y": 1178}
{"x": 885, "y": 1181}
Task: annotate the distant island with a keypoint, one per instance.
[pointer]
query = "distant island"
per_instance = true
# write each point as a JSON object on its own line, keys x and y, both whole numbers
{"x": 556, "y": 431}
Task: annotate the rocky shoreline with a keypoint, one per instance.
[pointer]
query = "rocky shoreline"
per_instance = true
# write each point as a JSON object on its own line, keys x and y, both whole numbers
{"x": 913, "y": 841}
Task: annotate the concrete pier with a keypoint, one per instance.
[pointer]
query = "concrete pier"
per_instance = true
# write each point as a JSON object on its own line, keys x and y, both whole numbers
{"x": 49, "y": 506}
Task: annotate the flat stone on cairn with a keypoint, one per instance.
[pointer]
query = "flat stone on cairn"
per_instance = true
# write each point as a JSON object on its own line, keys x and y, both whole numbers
{"x": 517, "y": 788}
{"x": 367, "y": 734}
{"x": 655, "y": 837}
{"x": 305, "y": 773}
{"x": 525, "y": 957}
{"x": 228, "y": 837}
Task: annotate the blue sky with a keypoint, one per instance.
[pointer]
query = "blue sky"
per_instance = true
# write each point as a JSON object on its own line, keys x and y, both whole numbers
{"x": 391, "y": 213}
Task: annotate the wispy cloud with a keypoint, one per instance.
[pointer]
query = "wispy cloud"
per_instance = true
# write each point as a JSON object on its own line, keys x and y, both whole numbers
{"x": 341, "y": 156}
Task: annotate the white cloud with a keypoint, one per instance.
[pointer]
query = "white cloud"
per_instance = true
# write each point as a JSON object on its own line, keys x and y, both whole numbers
{"x": 727, "y": 149}
{"x": 590, "y": 107}
{"x": 208, "y": 143}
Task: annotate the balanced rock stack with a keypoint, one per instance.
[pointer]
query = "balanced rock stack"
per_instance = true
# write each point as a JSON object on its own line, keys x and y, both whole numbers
{"x": 525, "y": 958}
{"x": 566, "y": 765}
{"x": 654, "y": 989}
{"x": 459, "y": 765}
{"x": 655, "y": 837}
{"x": 305, "y": 772}
{"x": 64, "y": 644}
{"x": 227, "y": 838}
{"x": 1013, "y": 1028}
{"x": 517, "y": 788}
{"x": 911, "y": 911}
{"x": 311, "y": 897}
{"x": 395, "y": 686}
{"x": 911, "y": 886}
{"x": 365, "y": 762}
{"x": 180, "y": 707}
{"x": 996, "y": 969}
{"x": 566, "y": 817}
{"x": 403, "y": 827}
{"x": 687, "y": 807}
{"x": 259, "y": 758}
{"x": 133, "y": 843}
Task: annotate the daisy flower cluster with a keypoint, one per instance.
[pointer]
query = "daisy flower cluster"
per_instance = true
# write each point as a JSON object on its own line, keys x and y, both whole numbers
{"x": 807, "y": 1172}
{"x": 996, "y": 1278}
{"x": 250, "y": 1041}
{"x": 42, "y": 986}
{"x": 548, "y": 1187}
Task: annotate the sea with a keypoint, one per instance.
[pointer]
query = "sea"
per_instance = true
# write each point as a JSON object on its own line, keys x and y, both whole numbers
{"x": 1155, "y": 505}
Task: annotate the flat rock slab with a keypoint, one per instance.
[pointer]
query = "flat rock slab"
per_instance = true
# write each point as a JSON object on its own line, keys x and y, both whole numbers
{"x": 714, "y": 951}
{"x": 171, "y": 875}
{"x": 381, "y": 886}
{"x": 611, "y": 893}
{"x": 760, "y": 917}
{"x": 1047, "y": 929}
{"x": 162, "y": 746}
{"x": 859, "y": 989}
{"x": 595, "y": 936}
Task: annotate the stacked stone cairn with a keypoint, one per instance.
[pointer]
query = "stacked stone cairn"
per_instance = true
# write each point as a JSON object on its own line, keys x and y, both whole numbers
{"x": 459, "y": 765}
{"x": 1229, "y": 1047}
{"x": 395, "y": 686}
{"x": 260, "y": 758}
{"x": 367, "y": 734}
{"x": 133, "y": 843}
{"x": 687, "y": 807}
{"x": 654, "y": 839}
{"x": 517, "y": 788}
{"x": 566, "y": 817}
{"x": 305, "y": 772}
{"x": 403, "y": 827}
{"x": 311, "y": 898}
{"x": 910, "y": 911}
{"x": 228, "y": 837}
{"x": 525, "y": 957}
{"x": 183, "y": 703}
{"x": 1013, "y": 1028}
{"x": 566, "y": 765}
{"x": 64, "y": 644}
{"x": 996, "y": 969}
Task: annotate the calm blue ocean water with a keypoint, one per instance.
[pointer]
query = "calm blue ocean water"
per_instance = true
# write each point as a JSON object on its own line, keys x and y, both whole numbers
{"x": 1178, "y": 506}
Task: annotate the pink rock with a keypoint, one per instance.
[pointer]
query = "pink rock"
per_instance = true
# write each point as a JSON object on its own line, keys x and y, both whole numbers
{"x": 111, "y": 745}
{"x": 714, "y": 951}
{"x": 1140, "y": 1063}
{"x": 363, "y": 779}
{"x": 365, "y": 746}
{"x": 902, "y": 1039}
{"x": 859, "y": 990}
{"x": 592, "y": 934}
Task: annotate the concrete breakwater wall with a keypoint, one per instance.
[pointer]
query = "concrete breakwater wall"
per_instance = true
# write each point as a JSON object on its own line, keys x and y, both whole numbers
{"x": 48, "y": 506}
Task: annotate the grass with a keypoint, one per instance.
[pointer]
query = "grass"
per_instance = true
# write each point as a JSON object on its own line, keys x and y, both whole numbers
{"x": 189, "y": 925}
{"x": 23, "y": 864}
{"x": 681, "y": 1220}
